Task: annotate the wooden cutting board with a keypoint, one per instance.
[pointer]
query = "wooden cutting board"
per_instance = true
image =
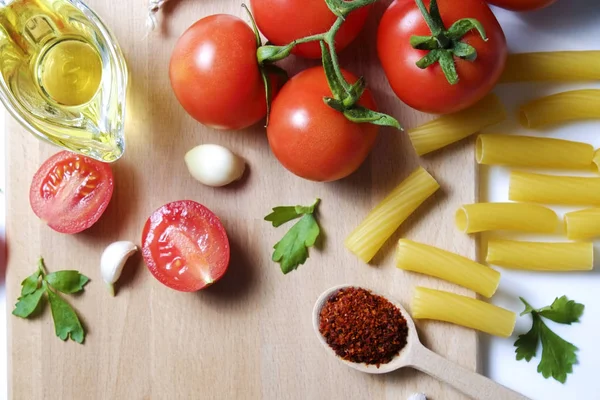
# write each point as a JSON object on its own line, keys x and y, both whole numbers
{"x": 250, "y": 335}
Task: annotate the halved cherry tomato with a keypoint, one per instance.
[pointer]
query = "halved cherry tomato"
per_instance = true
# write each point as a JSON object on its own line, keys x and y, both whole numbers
{"x": 283, "y": 21}
{"x": 313, "y": 140}
{"x": 185, "y": 246}
{"x": 521, "y": 5}
{"x": 428, "y": 89}
{"x": 215, "y": 75}
{"x": 70, "y": 192}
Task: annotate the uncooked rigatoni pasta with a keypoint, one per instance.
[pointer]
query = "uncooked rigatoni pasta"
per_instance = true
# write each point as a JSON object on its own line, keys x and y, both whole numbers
{"x": 366, "y": 240}
{"x": 535, "y": 152}
{"x": 461, "y": 310}
{"x": 584, "y": 224}
{"x": 561, "y": 107}
{"x": 523, "y": 217}
{"x": 553, "y": 189}
{"x": 597, "y": 159}
{"x": 552, "y": 66}
{"x": 429, "y": 260}
{"x": 541, "y": 256}
{"x": 451, "y": 128}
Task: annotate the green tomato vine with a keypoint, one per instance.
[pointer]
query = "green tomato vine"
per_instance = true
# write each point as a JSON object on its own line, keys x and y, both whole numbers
{"x": 345, "y": 95}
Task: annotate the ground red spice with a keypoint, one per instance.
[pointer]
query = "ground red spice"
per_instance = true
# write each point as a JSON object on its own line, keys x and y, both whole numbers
{"x": 362, "y": 327}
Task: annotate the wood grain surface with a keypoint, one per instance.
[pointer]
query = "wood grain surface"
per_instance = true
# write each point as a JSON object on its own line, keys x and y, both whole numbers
{"x": 250, "y": 335}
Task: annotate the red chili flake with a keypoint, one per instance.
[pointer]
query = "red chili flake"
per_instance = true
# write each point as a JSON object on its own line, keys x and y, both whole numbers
{"x": 362, "y": 327}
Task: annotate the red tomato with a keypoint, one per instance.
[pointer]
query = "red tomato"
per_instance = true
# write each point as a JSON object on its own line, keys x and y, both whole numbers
{"x": 283, "y": 21}
{"x": 215, "y": 74}
{"x": 428, "y": 89}
{"x": 521, "y": 5}
{"x": 70, "y": 191}
{"x": 313, "y": 140}
{"x": 185, "y": 246}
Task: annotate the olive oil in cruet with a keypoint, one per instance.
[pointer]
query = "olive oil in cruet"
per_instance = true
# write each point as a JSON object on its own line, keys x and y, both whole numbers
{"x": 63, "y": 75}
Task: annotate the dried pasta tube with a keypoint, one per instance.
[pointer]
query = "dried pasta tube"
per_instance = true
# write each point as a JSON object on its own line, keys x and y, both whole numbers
{"x": 451, "y": 128}
{"x": 535, "y": 152}
{"x": 553, "y": 189}
{"x": 541, "y": 256}
{"x": 584, "y": 224}
{"x": 366, "y": 240}
{"x": 522, "y": 217}
{"x": 429, "y": 260}
{"x": 557, "y": 66}
{"x": 462, "y": 310}
{"x": 561, "y": 107}
{"x": 597, "y": 159}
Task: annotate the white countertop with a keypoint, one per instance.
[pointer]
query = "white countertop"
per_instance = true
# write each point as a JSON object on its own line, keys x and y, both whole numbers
{"x": 568, "y": 25}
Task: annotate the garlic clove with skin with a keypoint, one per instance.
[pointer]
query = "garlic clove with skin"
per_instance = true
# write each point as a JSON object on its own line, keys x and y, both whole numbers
{"x": 214, "y": 165}
{"x": 113, "y": 260}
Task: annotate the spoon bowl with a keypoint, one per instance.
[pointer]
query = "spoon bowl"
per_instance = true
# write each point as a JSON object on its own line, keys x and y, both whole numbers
{"x": 417, "y": 356}
{"x": 399, "y": 361}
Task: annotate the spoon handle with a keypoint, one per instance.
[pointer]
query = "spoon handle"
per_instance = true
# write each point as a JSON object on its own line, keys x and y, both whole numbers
{"x": 470, "y": 383}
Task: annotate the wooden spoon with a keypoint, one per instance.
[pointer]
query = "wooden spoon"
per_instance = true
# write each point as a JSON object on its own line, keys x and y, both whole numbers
{"x": 415, "y": 355}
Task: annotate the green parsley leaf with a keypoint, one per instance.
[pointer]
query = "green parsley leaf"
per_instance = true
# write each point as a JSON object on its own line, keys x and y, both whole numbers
{"x": 292, "y": 250}
{"x": 308, "y": 209}
{"x": 563, "y": 311}
{"x": 558, "y": 355}
{"x": 31, "y": 283}
{"x": 528, "y": 308}
{"x": 28, "y": 303}
{"x": 67, "y": 281}
{"x": 281, "y": 215}
{"x": 66, "y": 323}
{"x": 527, "y": 343}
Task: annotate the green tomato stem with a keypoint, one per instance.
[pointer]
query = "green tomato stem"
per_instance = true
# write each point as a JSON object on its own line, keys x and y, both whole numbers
{"x": 445, "y": 44}
{"x": 265, "y": 78}
{"x": 328, "y": 37}
{"x": 433, "y": 26}
{"x": 312, "y": 38}
{"x": 345, "y": 94}
{"x": 42, "y": 267}
{"x": 254, "y": 26}
{"x": 434, "y": 22}
{"x": 330, "y": 40}
{"x": 346, "y": 7}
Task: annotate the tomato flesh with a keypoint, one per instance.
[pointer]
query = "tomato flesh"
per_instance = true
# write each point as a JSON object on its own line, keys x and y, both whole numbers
{"x": 311, "y": 139}
{"x": 70, "y": 192}
{"x": 215, "y": 75}
{"x": 428, "y": 89}
{"x": 283, "y": 21}
{"x": 185, "y": 246}
{"x": 522, "y": 5}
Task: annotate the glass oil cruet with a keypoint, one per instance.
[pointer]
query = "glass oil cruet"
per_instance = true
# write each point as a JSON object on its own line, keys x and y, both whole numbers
{"x": 63, "y": 75}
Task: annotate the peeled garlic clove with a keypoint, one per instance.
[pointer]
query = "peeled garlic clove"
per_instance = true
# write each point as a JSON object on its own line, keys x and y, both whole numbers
{"x": 214, "y": 165}
{"x": 113, "y": 260}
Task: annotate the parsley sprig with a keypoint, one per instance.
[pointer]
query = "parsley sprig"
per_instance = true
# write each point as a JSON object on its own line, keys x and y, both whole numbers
{"x": 558, "y": 355}
{"x": 66, "y": 322}
{"x": 292, "y": 250}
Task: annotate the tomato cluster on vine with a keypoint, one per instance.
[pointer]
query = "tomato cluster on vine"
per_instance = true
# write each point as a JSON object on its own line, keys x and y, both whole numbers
{"x": 438, "y": 56}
